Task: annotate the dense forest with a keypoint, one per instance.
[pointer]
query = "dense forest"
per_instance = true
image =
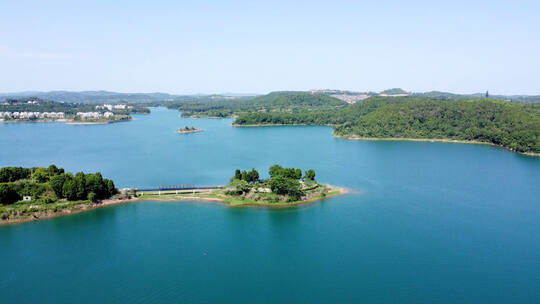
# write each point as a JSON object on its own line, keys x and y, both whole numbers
{"x": 47, "y": 185}
{"x": 514, "y": 126}
{"x": 286, "y": 102}
{"x": 33, "y": 191}
{"x": 321, "y": 116}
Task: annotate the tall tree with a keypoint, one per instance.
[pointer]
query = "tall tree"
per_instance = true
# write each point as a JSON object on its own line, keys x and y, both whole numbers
{"x": 310, "y": 175}
{"x": 69, "y": 190}
{"x": 80, "y": 182}
{"x": 57, "y": 182}
{"x": 8, "y": 195}
{"x": 254, "y": 175}
{"x": 274, "y": 170}
{"x": 298, "y": 173}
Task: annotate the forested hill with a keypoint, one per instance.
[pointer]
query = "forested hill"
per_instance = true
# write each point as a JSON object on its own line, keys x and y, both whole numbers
{"x": 284, "y": 102}
{"x": 321, "y": 116}
{"x": 296, "y": 99}
{"x": 512, "y": 125}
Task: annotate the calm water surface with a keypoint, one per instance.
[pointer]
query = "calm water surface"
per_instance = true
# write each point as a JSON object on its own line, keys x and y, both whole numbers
{"x": 424, "y": 223}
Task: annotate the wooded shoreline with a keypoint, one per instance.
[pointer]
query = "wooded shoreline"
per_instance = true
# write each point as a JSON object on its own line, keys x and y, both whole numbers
{"x": 440, "y": 140}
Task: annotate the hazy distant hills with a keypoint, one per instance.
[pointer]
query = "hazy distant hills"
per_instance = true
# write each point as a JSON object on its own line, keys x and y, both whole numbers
{"x": 91, "y": 96}
{"x": 432, "y": 94}
{"x": 446, "y": 95}
{"x": 348, "y": 96}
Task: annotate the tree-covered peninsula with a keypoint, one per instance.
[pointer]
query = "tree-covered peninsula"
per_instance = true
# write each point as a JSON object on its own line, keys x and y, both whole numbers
{"x": 31, "y": 193}
{"x": 515, "y": 126}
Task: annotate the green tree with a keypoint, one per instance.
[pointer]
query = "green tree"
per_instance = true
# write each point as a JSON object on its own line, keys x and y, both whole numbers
{"x": 240, "y": 186}
{"x": 57, "y": 182}
{"x": 285, "y": 186}
{"x": 69, "y": 190}
{"x": 310, "y": 175}
{"x": 40, "y": 175}
{"x": 298, "y": 173}
{"x": 52, "y": 170}
{"x": 11, "y": 174}
{"x": 94, "y": 183}
{"x": 275, "y": 170}
{"x": 8, "y": 195}
{"x": 92, "y": 197}
{"x": 253, "y": 175}
{"x": 111, "y": 189}
{"x": 80, "y": 182}
{"x": 237, "y": 174}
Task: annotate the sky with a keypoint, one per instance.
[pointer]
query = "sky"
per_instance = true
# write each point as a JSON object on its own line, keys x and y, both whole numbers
{"x": 187, "y": 47}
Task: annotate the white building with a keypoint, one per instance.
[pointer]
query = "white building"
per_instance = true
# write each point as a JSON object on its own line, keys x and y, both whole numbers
{"x": 89, "y": 115}
{"x": 105, "y": 106}
{"x": 28, "y": 115}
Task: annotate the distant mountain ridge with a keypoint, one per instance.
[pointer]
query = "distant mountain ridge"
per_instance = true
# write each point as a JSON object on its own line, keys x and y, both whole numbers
{"x": 91, "y": 96}
{"x": 348, "y": 96}
{"x": 431, "y": 94}
{"x": 105, "y": 96}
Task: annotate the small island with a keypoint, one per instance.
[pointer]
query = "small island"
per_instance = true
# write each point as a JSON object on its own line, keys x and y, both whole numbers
{"x": 286, "y": 187}
{"x": 187, "y": 130}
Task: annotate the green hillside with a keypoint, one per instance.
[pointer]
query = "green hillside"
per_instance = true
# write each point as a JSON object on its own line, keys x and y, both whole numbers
{"x": 514, "y": 126}
{"x": 286, "y": 102}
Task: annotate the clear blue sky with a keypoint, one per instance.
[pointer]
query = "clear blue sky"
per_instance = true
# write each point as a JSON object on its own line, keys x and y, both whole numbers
{"x": 256, "y": 47}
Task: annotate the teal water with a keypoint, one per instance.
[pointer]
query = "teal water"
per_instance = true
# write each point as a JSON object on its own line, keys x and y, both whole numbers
{"x": 424, "y": 222}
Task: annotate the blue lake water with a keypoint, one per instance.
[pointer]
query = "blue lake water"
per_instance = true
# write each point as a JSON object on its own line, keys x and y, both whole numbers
{"x": 424, "y": 222}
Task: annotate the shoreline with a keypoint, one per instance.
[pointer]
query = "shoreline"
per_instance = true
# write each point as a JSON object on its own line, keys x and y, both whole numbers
{"x": 67, "y": 121}
{"x": 176, "y": 198}
{"x": 439, "y": 140}
{"x": 336, "y": 191}
{"x": 275, "y": 125}
{"x": 85, "y": 207}
{"x": 353, "y": 137}
{"x": 97, "y": 122}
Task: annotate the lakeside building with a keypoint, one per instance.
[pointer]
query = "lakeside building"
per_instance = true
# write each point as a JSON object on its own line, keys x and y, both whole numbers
{"x": 89, "y": 115}
{"x": 32, "y": 115}
{"x": 111, "y": 107}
